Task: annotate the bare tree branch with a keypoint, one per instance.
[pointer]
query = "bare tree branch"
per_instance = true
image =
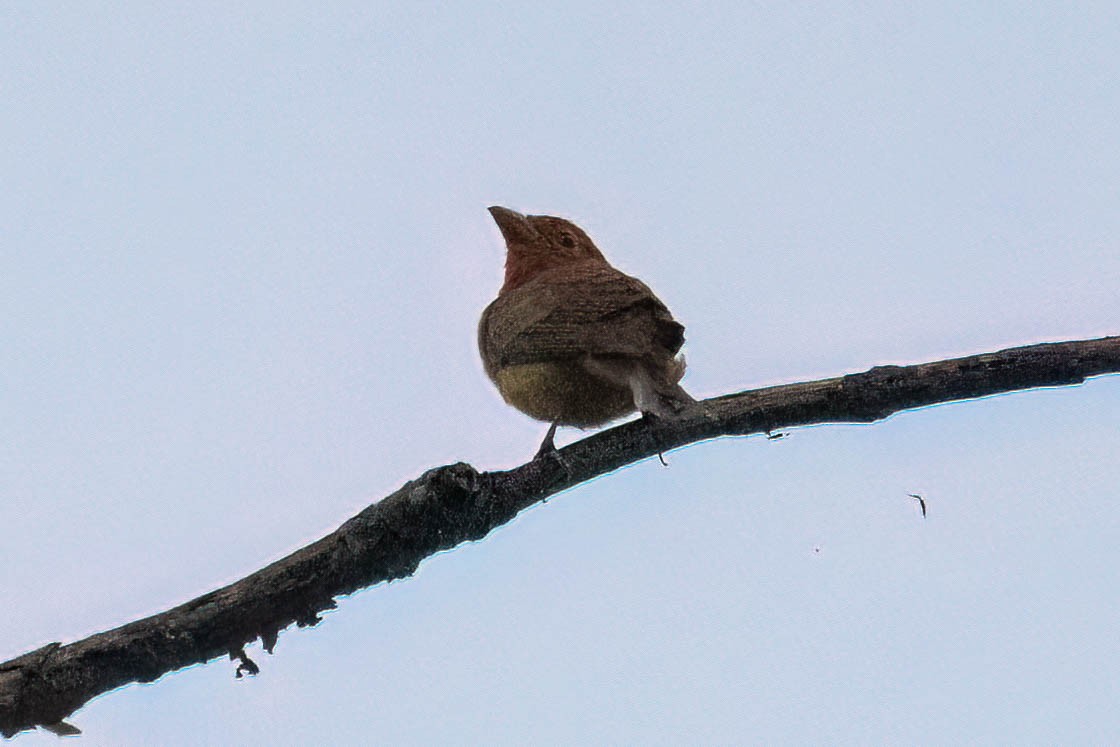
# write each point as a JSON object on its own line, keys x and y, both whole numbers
{"x": 453, "y": 504}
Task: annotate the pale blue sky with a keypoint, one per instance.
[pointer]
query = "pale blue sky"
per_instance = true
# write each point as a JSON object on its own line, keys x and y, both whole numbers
{"x": 243, "y": 251}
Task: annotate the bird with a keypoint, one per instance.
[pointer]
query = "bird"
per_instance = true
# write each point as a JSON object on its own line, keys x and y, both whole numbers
{"x": 572, "y": 341}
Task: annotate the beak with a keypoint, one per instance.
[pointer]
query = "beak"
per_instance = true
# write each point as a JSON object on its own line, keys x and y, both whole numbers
{"x": 514, "y": 226}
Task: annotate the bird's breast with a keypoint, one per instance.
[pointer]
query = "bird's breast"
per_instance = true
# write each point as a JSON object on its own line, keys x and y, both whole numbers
{"x": 563, "y": 392}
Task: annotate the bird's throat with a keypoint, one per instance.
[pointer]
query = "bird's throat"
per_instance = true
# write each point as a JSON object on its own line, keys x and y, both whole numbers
{"x": 520, "y": 269}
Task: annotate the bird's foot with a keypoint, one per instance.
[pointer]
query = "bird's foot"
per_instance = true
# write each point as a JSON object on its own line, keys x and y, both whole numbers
{"x": 548, "y": 445}
{"x": 548, "y": 450}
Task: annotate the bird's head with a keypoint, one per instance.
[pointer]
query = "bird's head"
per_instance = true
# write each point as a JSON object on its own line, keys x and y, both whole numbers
{"x": 535, "y": 243}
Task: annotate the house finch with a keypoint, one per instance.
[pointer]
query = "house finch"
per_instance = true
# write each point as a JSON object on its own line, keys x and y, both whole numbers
{"x": 570, "y": 340}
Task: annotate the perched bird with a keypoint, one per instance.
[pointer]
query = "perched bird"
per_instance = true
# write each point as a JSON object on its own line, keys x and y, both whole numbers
{"x": 570, "y": 340}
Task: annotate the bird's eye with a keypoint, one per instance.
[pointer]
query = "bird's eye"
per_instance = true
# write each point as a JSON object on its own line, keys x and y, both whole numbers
{"x": 566, "y": 239}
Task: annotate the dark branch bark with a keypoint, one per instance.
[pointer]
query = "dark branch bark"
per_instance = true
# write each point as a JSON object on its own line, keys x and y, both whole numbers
{"x": 453, "y": 504}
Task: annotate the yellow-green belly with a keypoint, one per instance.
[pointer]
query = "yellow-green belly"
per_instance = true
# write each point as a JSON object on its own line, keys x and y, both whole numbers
{"x": 563, "y": 393}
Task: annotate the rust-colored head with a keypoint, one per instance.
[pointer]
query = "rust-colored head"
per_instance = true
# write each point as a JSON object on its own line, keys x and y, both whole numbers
{"x": 535, "y": 243}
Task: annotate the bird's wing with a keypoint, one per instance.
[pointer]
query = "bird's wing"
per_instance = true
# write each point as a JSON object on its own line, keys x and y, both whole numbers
{"x": 586, "y": 309}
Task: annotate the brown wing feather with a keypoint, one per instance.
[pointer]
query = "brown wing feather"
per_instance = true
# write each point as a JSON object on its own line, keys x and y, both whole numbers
{"x": 578, "y": 310}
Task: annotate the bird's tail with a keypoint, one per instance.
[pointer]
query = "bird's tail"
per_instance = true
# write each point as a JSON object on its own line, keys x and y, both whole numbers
{"x": 661, "y": 393}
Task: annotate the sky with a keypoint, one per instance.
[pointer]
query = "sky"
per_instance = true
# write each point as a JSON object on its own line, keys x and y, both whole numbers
{"x": 243, "y": 252}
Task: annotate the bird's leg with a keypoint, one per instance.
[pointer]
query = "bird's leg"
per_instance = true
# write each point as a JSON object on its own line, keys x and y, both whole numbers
{"x": 548, "y": 445}
{"x": 548, "y": 450}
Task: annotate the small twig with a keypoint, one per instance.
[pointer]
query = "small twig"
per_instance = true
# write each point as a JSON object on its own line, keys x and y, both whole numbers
{"x": 246, "y": 665}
